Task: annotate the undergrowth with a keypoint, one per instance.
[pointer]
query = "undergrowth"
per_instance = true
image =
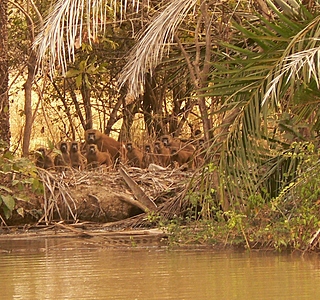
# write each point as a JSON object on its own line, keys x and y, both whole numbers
{"x": 289, "y": 221}
{"x": 19, "y": 179}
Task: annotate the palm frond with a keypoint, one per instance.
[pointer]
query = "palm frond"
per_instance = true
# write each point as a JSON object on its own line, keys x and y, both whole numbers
{"x": 152, "y": 42}
{"x": 270, "y": 69}
{"x": 295, "y": 69}
{"x": 67, "y": 23}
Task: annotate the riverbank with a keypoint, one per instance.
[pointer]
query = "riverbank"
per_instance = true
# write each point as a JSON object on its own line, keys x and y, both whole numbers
{"x": 105, "y": 204}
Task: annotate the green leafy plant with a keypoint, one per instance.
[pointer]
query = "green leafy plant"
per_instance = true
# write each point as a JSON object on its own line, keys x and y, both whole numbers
{"x": 17, "y": 175}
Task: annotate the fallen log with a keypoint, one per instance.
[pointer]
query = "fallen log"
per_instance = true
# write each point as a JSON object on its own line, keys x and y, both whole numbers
{"x": 138, "y": 193}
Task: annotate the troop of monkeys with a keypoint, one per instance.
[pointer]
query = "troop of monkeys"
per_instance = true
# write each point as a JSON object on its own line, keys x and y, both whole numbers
{"x": 100, "y": 149}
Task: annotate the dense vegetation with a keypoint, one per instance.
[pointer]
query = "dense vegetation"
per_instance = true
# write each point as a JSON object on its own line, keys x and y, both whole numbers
{"x": 246, "y": 76}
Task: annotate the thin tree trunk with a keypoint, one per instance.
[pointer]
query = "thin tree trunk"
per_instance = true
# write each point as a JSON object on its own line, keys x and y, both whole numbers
{"x": 85, "y": 92}
{"x": 113, "y": 116}
{"x": 75, "y": 102}
{"x": 5, "y": 133}
{"x": 28, "y": 104}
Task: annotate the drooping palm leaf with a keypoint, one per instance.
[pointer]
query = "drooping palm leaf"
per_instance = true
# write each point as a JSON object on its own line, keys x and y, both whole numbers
{"x": 67, "y": 24}
{"x": 152, "y": 42}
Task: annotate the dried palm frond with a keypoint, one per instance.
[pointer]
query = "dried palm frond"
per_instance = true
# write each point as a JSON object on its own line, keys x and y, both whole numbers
{"x": 297, "y": 66}
{"x": 65, "y": 26}
{"x": 152, "y": 42}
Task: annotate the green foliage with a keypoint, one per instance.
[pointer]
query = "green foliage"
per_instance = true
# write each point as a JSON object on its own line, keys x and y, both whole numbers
{"x": 289, "y": 220}
{"x": 17, "y": 175}
{"x": 272, "y": 106}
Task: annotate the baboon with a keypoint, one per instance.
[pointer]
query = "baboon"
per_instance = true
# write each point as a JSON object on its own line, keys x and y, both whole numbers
{"x": 171, "y": 142}
{"x": 134, "y": 155}
{"x": 148, "y": 156}
{"x": 182, "y": 157}
{"x": 106, "y": 143}
{"x": 43, "y": 161}
{"x": 62, "y": 160}
{"x": 163, "y": 154}
{"x": 76, "y": 158}
{"x": 95, "y": 158}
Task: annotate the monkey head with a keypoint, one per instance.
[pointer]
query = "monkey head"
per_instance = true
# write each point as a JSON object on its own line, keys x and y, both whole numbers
{"x": 91, "y": 137}
{"x": 92, "y": 149}
{"x": 41, "y": 152}
{"x": 129, "y": 146}
{"x": 74, "y": 147}
{"x": 64, "y": 147}
{"x": 165, "y": 140}
{"x": 147, "y": 148}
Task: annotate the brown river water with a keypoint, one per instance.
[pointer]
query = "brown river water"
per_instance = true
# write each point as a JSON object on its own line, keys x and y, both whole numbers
{"x": 79, "y": 269}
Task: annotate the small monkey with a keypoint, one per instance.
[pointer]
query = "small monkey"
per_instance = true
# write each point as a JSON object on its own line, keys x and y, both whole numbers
{"x": 134, "y": 155}
{"x": 182, "y": 157}
{"x": 43, "y": 161}
{"x": 76, "y": 158}
{"x": 95, "y": 158}
{"x": 62, "y": 161}
{"x": 148, "y": 156}
{"x": 163, "y": 154}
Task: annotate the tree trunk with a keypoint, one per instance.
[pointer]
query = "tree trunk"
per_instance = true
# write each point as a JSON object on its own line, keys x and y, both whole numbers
{"x": 85, "y": 92}
{"x": 28, "y": 104}
{"x": 113, "y": 116}
{"x": 5, "y": 133}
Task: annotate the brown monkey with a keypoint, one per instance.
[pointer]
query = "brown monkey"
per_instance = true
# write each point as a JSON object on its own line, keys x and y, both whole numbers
{"x": 171, "y": 142}
{"x": 76, "y": 158}
{"x": 148, "y": 156}
{"x": 182, "y": 157}
{"x": 62, "y": 160}
{"x": 43, "y": 161}
{"x": 105, "y": 143}
{"x": 134, "y": 155}
{"x": 197, "y": 133}
{"x": 95, "y": 158}
{"x": 163, "y": 154}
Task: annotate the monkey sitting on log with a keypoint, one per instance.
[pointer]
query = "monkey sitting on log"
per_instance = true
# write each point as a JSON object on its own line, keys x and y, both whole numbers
{"x": 62, "y": 160}
{"x": 134, "y": 155}
{"x": 95, "y": 158}
{"x": 43, "y": 161}
{"x": 148, "y": 156}
{"x": 106, "y": 143}
{"x": 76, "y": 158}
{"x": 162, "y": 153}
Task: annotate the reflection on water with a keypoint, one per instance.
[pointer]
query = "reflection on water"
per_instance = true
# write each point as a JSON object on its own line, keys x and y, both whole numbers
{"x": 77, "y": 269}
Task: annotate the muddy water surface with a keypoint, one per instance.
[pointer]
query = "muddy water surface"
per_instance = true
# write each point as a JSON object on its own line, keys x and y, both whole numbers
{"x": 80, "y": 269}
